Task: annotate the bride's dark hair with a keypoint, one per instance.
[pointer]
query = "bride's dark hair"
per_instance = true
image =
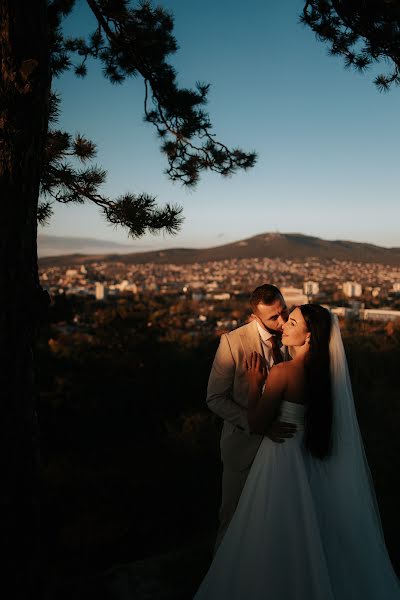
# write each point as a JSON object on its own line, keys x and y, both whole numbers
{"x": 318, "y": 392}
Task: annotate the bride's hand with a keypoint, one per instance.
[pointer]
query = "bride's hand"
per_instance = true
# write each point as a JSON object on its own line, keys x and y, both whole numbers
{"x": 256, "y": 370}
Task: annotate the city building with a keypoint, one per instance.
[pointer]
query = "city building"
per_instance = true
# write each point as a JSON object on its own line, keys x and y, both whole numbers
{"x": 351, "y": 288}
{"x": 293, "y": 296}
{"x": 375, "y": 292}
{"x": 310, "y": 288}
{"x": 71, "y": 272}
{"x": 379, "y": 314}
{"x": 341, "y": 311}
{"x": 101, "y": 291}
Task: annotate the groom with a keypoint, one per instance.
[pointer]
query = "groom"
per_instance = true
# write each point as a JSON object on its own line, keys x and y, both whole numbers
{"x": 228, "y": 389}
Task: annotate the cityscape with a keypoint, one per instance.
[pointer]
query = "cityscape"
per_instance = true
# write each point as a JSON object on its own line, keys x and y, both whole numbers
{"x": 210, "y": 291}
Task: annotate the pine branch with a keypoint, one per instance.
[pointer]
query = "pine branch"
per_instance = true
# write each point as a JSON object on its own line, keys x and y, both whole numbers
{"x": 130, "y": 42}
{"x": 139, "y": 213}
{"x": 63, "y": 181}
{"x": 361, "y": 31}
{"x": 136, "y": 41}
{"x": 44, "y": 213}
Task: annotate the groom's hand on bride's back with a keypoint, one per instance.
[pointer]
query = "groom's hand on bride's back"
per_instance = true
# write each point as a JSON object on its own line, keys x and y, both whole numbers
{"x": 279, "y": 431}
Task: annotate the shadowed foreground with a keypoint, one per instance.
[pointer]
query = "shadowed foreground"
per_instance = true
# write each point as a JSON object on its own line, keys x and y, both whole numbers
{"x": 172, "y": 576}
{"x": 130, "y": 456}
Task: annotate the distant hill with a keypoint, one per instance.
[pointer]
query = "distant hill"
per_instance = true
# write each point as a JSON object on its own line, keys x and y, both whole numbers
{"x": 272, "y": 245}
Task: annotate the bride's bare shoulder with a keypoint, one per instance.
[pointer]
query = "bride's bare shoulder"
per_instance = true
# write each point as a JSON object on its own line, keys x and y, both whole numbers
{"x": 285, "y": 370}
{"x": 281, "y": 367}
{"x": 279, "y": 371}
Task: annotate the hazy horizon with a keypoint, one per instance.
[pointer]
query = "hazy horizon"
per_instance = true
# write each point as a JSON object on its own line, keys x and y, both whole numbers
{"x": 51, "y": 245}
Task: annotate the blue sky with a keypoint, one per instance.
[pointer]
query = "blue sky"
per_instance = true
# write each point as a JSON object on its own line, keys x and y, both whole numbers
{"x": 327, "y": 140}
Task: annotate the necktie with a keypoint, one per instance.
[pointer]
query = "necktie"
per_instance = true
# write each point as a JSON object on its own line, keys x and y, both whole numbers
{"x": 276, "y": 351}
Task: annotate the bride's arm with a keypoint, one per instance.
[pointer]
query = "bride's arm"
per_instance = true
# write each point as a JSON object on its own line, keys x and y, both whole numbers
{"x": 263, "y": 409}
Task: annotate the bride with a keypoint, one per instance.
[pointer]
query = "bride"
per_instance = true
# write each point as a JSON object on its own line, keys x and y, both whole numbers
{"x": 307, "y": 525}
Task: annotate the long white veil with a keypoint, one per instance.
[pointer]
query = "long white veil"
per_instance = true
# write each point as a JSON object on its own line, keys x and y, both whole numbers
{"x": 348, "y": 455}
{"x": 346, "y": 501}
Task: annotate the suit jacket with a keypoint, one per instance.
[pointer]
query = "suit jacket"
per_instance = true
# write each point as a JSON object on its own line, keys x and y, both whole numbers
{"x": 227, "y": 395}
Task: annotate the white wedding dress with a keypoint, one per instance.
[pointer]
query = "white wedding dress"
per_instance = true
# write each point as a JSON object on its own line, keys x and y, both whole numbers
{"x": 306, "y": 529}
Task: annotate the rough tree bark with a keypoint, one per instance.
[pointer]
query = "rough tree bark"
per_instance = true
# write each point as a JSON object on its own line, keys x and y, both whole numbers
{"x": 24, "y": 96}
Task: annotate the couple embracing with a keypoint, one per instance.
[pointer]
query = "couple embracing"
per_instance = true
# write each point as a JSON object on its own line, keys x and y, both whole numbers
{"x": 298, "y": 518}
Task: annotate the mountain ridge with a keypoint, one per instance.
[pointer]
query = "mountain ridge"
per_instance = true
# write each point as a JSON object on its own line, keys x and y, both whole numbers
{"x": 264, "y": 245}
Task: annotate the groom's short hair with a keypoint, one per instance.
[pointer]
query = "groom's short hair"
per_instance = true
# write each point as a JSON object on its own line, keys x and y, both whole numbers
{"x": 264, "y": 294}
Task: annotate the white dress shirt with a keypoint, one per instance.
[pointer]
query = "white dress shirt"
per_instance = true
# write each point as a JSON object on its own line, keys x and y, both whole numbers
{"x": 267, "y": 345}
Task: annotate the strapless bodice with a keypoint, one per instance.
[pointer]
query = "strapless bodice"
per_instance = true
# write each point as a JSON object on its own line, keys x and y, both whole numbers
{"x": 292, "y": 412}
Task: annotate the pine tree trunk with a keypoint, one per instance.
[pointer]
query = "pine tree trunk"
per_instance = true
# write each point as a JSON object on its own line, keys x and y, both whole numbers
{"x": 24, "y": 95}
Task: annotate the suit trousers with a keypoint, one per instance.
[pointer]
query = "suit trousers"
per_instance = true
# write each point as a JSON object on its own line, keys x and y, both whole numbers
{"x": 232, "y": 486}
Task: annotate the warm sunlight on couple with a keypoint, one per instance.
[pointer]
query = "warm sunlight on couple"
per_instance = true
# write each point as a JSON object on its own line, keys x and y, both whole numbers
{"x": 298, "y": 518}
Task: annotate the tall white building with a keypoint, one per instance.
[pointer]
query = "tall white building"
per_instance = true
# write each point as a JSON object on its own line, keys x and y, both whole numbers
{"x": 310, "y": 288}
{"x": 352, "y": 288}
{"x": 101, "y": 291}
{"x": 293, "y": 296}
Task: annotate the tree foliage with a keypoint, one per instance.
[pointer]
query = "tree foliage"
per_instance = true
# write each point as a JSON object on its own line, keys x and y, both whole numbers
{"x": 363, "y": 32}
{"x": 130, "y": 42}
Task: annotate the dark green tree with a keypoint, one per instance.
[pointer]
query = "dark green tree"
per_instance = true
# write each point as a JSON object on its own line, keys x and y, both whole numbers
{"x": 37, "y": 160}
{"x": 363, "y": 32}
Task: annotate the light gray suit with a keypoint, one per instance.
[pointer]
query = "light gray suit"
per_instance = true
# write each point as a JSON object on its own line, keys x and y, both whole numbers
{"x": 227, "y": 395}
